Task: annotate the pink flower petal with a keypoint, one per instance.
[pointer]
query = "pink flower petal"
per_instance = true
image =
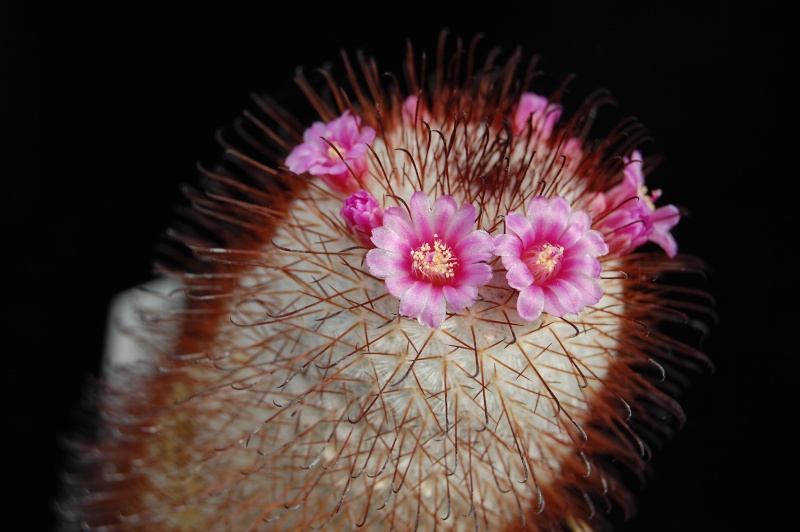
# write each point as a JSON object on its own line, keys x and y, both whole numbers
{"x": 520, "y": 226}
{"x": 570, "y": 298}
{"x": 591, "y": 243}
{"x": 519, "y": 276}
{"x": 397, "y": 233}
{"x": 444, "y": 209}
{"x": 478, "y": 246}
{"x": 582, "y": 263}
{"x": 461, "y": 297}
{"x": 530, "y": 303}
{"x": 577, "y": 224}
{"x": 538, "y": 218}
{"x": 590, "y": 290}
{"x": 421, "y": 214}
{"x": 413, "y": 301}
{"x": 461, "y": 223}
{"x": 399, "y": 284}
{"x": 664, "y": 219}
{"x": 435, "y": 311}
{"x": 508, "y": 245}
{"x": 536, "y": 112}
{"x": 475, "y": 274}
{"x": 383, "y": 263}
{"x": 553, "y": 222}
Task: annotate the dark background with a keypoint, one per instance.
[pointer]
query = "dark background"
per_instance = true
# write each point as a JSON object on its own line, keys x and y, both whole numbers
{"x": 105, "y": 117}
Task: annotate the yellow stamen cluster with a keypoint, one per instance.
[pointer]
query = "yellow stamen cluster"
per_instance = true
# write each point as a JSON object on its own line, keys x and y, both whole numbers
{"x": 543, "y": 260}
{"x": 644, "y": 193}
{"x": 436, "y": 263}
{"x": 549, "y": 256}
{"x": 332, "y": 150}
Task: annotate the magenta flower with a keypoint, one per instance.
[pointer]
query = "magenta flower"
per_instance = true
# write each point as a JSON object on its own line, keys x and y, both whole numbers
{"x": 550, "y": 254}
{"x": 362, "y": 214}
{"x": 328, "y": 149}
{"x": 414, "y": 108}
{"x": 409, "y": 108}
{"x": 537, "y": 111}
{"x": 627, "y": 216}
{"x": 430, "y": 258}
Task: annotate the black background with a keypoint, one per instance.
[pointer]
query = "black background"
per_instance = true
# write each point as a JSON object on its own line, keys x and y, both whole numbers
{"x": 104, "y": 117}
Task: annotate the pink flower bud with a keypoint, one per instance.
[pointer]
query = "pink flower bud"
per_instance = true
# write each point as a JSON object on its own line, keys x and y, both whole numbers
{"x": 361, "y": 214}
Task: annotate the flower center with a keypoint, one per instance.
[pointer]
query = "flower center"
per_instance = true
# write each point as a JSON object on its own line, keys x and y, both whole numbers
{"x": 332, "y": 153}
{"x": 543, "y": 260}
{"x": 645, "y": 195}
{"x": 434, "y": 264}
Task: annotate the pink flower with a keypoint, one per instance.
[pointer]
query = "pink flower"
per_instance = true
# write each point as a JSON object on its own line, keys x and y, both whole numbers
{"x": 550, "y": 254}
{"x": 414, "y": 109}
{"x": 572, "y": 151}
{"x": 430, "y": 258}
{"x": 362, "y": 214}
{"x": 627, "y": 216}
{"x": 318, "y": 155}
{"x": 536, "y": 110}
{"x": 409, "y": 108}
